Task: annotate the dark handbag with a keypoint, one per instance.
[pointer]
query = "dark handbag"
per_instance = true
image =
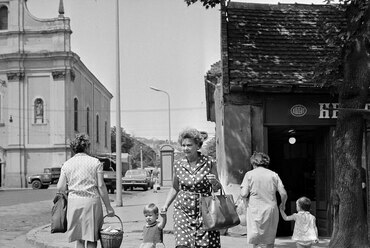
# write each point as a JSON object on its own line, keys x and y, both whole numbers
{"x": 59, "y": 214}
{"x": 218, "y": 211}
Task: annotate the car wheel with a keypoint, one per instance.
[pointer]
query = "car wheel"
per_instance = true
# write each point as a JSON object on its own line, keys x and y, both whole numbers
{"x": 145, "y": 188}
{"x": 36, "y": 184}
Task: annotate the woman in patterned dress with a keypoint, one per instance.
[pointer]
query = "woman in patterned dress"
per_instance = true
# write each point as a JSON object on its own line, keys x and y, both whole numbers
{"x": 194, "y": 175}
{"x": 82, "y": 177}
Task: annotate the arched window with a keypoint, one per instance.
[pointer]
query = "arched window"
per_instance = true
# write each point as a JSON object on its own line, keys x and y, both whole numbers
{"x": 75, "y": 111}
{"x": 105, "y": 134}
{"x": 88, "y": 121}
{"x": 97, "y": 128}
{"x": 38, "y": 111}
{"x": 3, "y": 18}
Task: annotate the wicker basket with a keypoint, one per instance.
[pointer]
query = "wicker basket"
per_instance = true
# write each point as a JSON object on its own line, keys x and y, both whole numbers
{"x": 111, "y": 240}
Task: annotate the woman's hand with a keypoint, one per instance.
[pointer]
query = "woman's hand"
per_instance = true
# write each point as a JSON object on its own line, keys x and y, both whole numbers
{"x": 164, "y": 209}
{"x": 110, "y": 211}
{"x": 214, "y": 182}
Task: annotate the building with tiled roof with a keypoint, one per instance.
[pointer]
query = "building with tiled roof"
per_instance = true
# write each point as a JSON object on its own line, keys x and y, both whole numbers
{"x": 268, "y": 99}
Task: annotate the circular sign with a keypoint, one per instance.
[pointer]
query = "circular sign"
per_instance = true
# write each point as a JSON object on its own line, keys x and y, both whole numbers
{"x": 298, "y": 110}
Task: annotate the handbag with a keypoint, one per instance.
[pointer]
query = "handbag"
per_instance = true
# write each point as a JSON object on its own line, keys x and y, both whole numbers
{"x": 218, "y": 211}
{"x": 59, "y": 214}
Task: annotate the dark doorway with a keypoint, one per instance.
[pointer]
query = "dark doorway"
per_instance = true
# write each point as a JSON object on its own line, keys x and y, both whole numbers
{"x": 296, "y": 165}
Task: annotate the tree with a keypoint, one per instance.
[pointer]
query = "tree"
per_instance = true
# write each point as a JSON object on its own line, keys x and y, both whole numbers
{"x": 350, "y": 222}
{"x": 350, "y": 64}
{"x": 206, "y": 3}
{"x": 209, "y": 148}
{"x": 126, "y": 140}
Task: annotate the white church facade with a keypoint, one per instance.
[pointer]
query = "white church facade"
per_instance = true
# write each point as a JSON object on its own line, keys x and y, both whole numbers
{"x": 47, "y": 95}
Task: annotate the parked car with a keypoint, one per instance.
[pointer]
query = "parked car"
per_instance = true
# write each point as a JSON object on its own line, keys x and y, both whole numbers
{"x": 137, "y": 178}
{"x": 43, "y": 180}
{"x": 55, "y": 173}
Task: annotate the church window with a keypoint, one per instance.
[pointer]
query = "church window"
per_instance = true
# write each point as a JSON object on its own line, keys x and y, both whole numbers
{"x": 1, "y": 109}
{"x": 38, "y": 110}
{"x": 75, "y": 114}
{"x": 105, "y": 134}
{"x": 88, "y": 121}
{"x": 3, "y": 18}
{"x": 97, "y": 128}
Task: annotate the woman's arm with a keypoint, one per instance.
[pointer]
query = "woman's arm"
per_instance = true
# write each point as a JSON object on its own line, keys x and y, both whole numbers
{"x": 104, "y": 194}
{"x": 163, "y": 222}
{"x": 172, "y": 193}
{"x": 213, "y": 178}
{"x": 62, "y": 182}
{"x": 285, "y": 217}
{"x": 244, "y": 187}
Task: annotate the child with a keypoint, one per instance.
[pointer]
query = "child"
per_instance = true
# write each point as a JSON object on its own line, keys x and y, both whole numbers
{"x": 153, "y": 230}
{"x": 305, "y": 230}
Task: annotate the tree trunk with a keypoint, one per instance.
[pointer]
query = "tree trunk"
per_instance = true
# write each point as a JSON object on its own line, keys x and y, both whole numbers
{"x": 350, "y": 223}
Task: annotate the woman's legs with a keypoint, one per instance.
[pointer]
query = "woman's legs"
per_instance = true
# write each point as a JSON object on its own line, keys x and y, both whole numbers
{"x": 91, "y": 244}
{"x": 80, "y": 243}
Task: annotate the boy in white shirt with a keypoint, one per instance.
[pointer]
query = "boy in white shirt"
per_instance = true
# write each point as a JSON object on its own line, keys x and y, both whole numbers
{"x": 305, "y": 230}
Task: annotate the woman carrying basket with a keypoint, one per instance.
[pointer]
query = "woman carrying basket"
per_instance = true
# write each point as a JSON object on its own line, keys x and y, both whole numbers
{"x": 82, "y": 177}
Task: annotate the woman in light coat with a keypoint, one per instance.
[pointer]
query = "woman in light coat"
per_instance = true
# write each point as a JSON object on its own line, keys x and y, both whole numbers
{"x": 260, "y": 186}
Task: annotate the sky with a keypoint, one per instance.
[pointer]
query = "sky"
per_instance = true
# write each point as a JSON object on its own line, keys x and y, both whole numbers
{"x": 163, "y": 44}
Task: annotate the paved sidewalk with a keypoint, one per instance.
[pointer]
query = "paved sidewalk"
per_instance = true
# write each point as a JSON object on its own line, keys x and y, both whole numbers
{"x": 133, "y": 222}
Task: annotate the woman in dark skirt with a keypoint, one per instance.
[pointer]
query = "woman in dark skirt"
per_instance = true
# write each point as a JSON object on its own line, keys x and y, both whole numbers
{"x": 82, "y": 177}
{"x": 194, "y": 175}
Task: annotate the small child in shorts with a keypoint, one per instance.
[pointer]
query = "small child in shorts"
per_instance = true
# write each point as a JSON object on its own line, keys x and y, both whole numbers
{"x": 305, "y": 230}
{"x": 153, "y": 230}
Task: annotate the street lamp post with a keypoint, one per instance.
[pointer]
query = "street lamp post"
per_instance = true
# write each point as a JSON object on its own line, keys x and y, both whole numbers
{"x": 169, "y": 111}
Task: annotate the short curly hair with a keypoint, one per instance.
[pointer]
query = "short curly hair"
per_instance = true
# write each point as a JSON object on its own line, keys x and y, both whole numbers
{"x": 193, "y": 134}
{"x": 80, "y": 143}
{"x": 260, "y": 159}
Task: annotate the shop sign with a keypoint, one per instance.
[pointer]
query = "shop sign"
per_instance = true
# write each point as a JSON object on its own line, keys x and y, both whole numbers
{"x": 302, "y": 110}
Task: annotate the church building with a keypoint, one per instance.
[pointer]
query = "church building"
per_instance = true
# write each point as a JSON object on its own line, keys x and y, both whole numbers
{"x": 47, "y": 95}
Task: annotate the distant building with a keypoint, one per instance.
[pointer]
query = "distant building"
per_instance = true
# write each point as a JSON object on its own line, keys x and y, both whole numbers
{"x": 47, "y": 95}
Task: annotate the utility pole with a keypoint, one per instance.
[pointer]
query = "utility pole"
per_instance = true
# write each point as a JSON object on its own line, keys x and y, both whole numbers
{"x": 118, "y": 118}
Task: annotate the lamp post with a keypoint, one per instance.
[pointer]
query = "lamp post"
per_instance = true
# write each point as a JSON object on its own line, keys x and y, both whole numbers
{"x": 169, "y": 111}
{"x": 118, "y": 117}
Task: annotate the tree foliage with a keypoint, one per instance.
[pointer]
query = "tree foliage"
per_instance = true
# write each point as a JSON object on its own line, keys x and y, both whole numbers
{"x": 126, "y": 140}
{"x": 206, "y": 3}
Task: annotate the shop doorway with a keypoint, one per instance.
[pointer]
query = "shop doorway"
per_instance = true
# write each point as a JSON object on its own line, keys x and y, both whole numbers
{"x": 303, "y": 165}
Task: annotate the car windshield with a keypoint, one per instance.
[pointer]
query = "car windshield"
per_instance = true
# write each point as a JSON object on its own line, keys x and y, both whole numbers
{"x": 135, "y": 173}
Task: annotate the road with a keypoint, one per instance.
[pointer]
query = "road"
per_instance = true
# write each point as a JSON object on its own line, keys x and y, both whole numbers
{"x": 26, "y": 209}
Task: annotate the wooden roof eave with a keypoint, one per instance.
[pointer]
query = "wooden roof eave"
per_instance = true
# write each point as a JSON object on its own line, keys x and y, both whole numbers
{"x": 282, "y": 88}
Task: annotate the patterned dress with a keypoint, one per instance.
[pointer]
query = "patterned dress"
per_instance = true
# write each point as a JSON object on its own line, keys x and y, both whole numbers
{"x": 84, "y": 209}
{"x": 192, "y": 183}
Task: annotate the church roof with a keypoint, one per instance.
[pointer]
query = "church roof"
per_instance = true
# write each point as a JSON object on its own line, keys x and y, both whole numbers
{"x": 274, "y": 46}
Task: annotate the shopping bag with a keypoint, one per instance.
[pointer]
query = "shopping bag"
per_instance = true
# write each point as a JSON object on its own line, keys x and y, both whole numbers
{"x": 59, "y": 214}
{"x": 218, "y": 211}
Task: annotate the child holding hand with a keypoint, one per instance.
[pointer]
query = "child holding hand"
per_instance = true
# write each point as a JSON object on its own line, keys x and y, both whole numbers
{"x": 305, "y": 230}
{"x": 153, "y": 230}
